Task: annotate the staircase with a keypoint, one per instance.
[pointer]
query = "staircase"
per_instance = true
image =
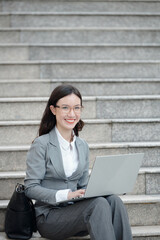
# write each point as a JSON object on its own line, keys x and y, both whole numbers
{"x": 110, "y": 51}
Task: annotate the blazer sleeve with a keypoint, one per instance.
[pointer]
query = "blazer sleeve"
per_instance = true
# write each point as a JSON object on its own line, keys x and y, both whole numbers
{"x": 35, "y": 173}
{"x": 82, "y": 183}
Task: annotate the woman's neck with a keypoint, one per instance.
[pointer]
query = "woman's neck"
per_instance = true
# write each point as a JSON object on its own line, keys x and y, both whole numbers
{"x": 67, "y": 135}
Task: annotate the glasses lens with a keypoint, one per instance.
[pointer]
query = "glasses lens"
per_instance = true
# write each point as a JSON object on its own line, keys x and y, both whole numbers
{"x": 77, "y": 109}
{"x": 67, "y": 109}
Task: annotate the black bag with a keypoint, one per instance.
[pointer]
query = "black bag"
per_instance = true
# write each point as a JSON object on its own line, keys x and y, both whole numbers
{"x": 20, "y": 220}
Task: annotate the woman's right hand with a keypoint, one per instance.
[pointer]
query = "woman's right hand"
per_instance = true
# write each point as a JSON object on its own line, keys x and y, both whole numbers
{"x": 78, "y": 193}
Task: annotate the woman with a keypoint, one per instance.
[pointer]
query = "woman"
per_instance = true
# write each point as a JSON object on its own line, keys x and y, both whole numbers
{"x": 57, "y": 170}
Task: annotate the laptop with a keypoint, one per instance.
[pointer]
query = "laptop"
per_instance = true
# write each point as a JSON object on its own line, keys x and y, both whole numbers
{"x": 115, "y": 174}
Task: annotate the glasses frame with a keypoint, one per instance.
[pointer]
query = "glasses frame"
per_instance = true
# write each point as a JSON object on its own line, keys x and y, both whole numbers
{"x": 70, "y": 108}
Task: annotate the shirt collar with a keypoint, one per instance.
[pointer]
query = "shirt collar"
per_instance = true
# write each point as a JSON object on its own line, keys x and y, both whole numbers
{"x": 63, "y": 143}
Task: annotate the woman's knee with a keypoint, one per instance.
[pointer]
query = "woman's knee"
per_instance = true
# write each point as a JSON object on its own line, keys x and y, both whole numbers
{"x": 116, "y": 204}
{"x": 99, "y": 204}
{"x": 98, "y": 208}
{"x": 100, "y": 201}
{"x": 114, "y": 200}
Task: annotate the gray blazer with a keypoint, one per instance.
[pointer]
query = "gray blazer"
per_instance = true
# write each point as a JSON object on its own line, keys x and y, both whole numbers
{"x": 45, "y": 173}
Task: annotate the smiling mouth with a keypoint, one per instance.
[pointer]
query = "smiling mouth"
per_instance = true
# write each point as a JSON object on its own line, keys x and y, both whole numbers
{"x": 70, "y": 121}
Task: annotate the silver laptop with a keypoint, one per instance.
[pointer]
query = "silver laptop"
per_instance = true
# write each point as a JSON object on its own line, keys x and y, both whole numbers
{"x": 115, "y": 174}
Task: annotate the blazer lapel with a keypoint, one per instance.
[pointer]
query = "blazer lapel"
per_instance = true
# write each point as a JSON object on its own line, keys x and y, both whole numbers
{"x": 55, "y": 154}
{"x": 81, "y": 159}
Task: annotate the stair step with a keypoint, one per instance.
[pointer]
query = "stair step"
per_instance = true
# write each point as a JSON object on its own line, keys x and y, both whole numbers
{"x": 151, "y": 151}
{"x": 139, "y": 233}
{"x": 78, "y": 68}
{"x": 83, "y": 35}
{"x": 111, "y": 130}
{"x": 127, "y": 107}
{"x": 81, "y": 6}
{"x": 87, "y": 87}
{"x": 77, "y": 52}
{"x": 13, "y": 158}
{"x": 27, "y": 88}
{"x": 148, "y": 181}
{"x": 138, "y": 207}
{"x": 149, "y": 232}
{"x": 113, "y": 107}
{"x": 8, "y": 181}
{"x": 86, "y": 19}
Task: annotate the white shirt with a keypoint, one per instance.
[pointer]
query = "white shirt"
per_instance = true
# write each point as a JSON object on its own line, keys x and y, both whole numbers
{"x": 70, "y": 162}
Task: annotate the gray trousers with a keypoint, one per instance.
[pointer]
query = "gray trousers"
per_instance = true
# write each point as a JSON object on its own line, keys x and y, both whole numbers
{"x": 102, "y": 218}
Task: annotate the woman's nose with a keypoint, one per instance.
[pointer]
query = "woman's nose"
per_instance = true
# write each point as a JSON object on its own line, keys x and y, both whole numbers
{"x": 71, "y": 112}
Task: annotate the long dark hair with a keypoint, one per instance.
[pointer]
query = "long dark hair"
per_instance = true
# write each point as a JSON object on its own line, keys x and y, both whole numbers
{"x": 48, "y": 119}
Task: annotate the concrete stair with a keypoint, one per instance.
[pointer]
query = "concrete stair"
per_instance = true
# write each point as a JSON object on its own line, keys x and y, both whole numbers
{"x": 13, "y": 157}
{"x": 81, "y": 51}
{"x": 98, "y": 106}
{"x": 139, "y": 233}
{"x": 107, "y": 130}
{"x": 90, "y": 87}
{"x": 80, "y": 69}
{"x": 81, "y": 6}
{"x": 83, "y": 19}
{"x": 81, "y": 35}
{"x": 109, "y": 50}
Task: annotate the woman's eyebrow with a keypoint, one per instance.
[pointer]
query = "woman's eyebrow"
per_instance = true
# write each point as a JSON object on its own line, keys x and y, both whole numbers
{"x": 69, "y": 105}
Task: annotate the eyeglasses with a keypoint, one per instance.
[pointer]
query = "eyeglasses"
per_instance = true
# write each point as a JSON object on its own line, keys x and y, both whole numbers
{"x": 67, "y": 109}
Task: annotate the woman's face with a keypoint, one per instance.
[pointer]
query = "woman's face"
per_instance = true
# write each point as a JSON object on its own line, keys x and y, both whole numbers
{"x": 67, "y": 112}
